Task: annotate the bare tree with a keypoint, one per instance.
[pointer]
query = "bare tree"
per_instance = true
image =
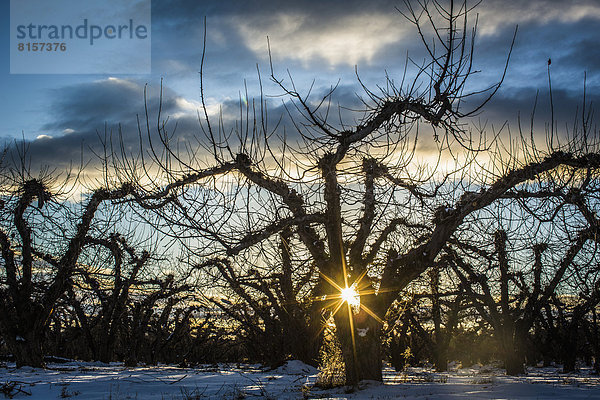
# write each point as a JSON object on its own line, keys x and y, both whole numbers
{"x": 111, "y": 284}
{"x": 363, "y": 210}
{"x": 438, "y": 305}
{"x": 568, "y": 321}
{"x": 41, "y": 239}
{"x": 273, "y": 304}
{"x": 554, "y": 228}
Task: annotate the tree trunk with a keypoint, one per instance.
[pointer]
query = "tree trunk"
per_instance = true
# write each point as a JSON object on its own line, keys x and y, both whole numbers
{"x": 569, "y": 362}
{"x": 595, "y": 341}
{"x": 441, "y": 357}
{"x": 514, "y": 360}
{"x": 361, "y": 353}
{"x": 106, "y": 347}
{"x": 134, "y": 343}
{"x": 132, "y": 358}
{"x": 303, "y": 329}
{"x": 398, "y": 346}
{"x": 24, "y": 334}
{"x": 569, "y": 346}
{"x": 304, "y": 345}
{"x": 439, "y": 347}
{"x": 84, "y": 323}
{"x": 27, "y": 349}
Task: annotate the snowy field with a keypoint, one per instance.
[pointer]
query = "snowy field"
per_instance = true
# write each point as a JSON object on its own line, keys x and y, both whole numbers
{"x": 79, "y": 380}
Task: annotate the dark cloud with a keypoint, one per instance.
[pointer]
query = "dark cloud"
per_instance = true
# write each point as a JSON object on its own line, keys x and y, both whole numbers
{"x": 510, "y": 104}
{"x": 89, "y": 115}
{"x": 569, "y": 45}
{"x": 582, "y": 54}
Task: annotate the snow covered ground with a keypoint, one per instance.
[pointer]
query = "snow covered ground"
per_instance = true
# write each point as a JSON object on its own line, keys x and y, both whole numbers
{"x": 294, "y": 380}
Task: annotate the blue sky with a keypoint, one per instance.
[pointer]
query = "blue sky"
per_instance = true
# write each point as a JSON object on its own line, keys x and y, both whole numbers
{"x": 61, "y": 114}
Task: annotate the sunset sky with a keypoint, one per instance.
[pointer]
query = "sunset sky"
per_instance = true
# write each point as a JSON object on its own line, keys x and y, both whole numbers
{"x": 324, "y": 41}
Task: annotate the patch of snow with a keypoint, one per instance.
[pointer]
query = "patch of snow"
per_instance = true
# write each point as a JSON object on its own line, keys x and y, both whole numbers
{"x": 293, "y": 380}
{"x": 362, "y": 332}
{"x": 296, "y": 367}
{"x": 454, "y": 365}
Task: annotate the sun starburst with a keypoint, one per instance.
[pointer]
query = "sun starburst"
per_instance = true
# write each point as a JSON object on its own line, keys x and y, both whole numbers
{"x": 351, "y": 296}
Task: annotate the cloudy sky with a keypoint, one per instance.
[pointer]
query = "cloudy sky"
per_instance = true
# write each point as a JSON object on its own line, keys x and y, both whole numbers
{"x": 322, "y": 41}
